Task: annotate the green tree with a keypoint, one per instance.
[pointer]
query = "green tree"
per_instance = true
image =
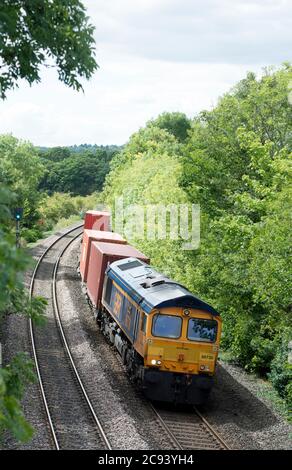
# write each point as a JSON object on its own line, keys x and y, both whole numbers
{"x": 55, "y": 33}
{"x": 21, "y": 171}
{"x": 145, "y": 173}
{"x": 55, "y": 154}
{"x": 270, "y": 253}
{"x": 14, "y": 298}
{"x": 61, "y": 206}
{"x": 236, "y": 164}
{"x": 235, "y": 161}
{"x": 13, "y": 378}
{"x": 176, "y": 124}
{"x": 32, "y": 33}
{"x": 216, "y": 162}
{"x": 77, "y": 173}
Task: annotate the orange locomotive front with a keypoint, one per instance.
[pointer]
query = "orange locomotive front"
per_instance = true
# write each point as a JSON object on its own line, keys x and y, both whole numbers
{"x": 167, "y": 338}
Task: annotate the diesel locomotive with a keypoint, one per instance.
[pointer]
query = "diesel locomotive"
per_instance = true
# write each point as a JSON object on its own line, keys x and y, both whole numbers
{"x": 167, "y": 337}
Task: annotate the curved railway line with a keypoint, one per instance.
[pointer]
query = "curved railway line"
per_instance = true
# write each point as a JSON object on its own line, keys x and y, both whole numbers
{"x": 71, "y": 417}
{"x": 72, "y": 421}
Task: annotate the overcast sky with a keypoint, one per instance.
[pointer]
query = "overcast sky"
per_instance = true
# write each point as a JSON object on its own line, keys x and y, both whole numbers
{"x": 154, "y": 56}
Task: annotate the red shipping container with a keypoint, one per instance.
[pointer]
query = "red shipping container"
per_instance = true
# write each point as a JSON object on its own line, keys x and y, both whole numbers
{"x": 102, "y": 254}
{"x": 97, "y": 220}
{"x": 95, "y": 235}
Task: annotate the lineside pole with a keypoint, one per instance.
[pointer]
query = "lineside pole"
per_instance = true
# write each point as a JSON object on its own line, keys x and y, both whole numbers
{"x": 17, "y": 233}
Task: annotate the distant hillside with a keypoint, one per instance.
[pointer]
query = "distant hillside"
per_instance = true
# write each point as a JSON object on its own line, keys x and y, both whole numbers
{"x": 81, "y": 147}
{"x": 76, "y": 169}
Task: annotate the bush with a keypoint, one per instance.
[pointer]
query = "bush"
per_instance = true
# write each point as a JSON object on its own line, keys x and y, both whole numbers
{"x": 281, "y": 369}
{"x": 288, "y": 390}
{"x": 57, "y": 206}
{"x": 263, "y": 353}
{"x": 66, "y": 221}
{"x": 63, "y": 206}
{"x": 31, "y": 235}
{"x": 13, "y": 379}
{"x": 61, "y": 209}
{"x": 243, "y": 334}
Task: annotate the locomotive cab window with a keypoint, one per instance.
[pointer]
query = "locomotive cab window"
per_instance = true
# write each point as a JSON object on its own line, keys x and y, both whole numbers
{"x": 200, "y": 329}
{"x": 108, "y": 290}
{"x": 166, "y": 326}
{"x": 143, "y": 323}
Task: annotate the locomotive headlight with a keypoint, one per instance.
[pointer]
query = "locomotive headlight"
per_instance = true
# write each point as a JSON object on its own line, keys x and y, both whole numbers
{"x": 202, "y": 367}
{"x": 154, "y": 362}
{"x": 186, "y": 312}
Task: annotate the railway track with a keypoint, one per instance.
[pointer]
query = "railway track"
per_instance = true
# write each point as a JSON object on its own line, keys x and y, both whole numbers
{"x": 189, "y": 430}
{"x": 185, "y": 430}
{"x": 71, "y": 418}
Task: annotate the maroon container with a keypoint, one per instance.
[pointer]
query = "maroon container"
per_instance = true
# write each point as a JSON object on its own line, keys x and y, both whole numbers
{"x": 97, "y": 220}
{"x": 95, "y": 235}
{"x": 102, "y": 254}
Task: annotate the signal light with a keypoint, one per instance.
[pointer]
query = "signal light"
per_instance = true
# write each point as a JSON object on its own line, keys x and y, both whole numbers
{"x": 18, "y": 213}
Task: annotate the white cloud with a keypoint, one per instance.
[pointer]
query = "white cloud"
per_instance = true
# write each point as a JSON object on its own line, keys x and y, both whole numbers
{"x": 236, "y": 31}
{"x": 154, "y": 56}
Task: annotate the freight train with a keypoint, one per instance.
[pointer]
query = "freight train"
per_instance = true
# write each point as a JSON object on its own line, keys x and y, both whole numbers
{"x": 168, "y": 338}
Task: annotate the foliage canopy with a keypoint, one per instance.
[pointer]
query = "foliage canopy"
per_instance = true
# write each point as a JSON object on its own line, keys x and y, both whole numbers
{"x": 55, "y": 33}
{"x": 235, "y": 161}
{"x": 32, "y": 33}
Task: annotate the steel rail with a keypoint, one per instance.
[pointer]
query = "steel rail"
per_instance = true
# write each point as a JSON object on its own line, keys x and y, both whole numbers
{"x": 183, "y": 430}
{"x": 165, "y": 427}
{"x": 211, "y": 429}
{"x": 61, "y": 331}
{"x": 32, "y": 282}
{"x": 67, "y": 348}
{"x": 71, "y": 360}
